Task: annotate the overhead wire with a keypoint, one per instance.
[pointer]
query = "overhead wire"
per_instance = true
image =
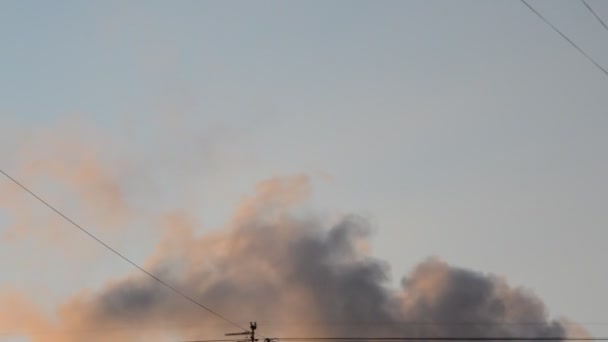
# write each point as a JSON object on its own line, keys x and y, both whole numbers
{"x": 565, "y": 37}
{"x": 350, "y": 325}
{"x": 442, "y": 338}
{"x": 405, "y": 339}
{"x": 418, "y": 323}
{"x": 169, "y": 286}
{"x": 594, "y": 14}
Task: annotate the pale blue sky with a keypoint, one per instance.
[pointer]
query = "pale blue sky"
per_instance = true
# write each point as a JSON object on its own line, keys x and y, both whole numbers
{"x": 464, "y": 129}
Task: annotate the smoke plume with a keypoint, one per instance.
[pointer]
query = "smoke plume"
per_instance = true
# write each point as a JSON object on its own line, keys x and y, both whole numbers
{"x": 297, "y": 276}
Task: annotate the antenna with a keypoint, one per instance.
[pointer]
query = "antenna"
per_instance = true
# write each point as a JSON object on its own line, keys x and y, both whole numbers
{"x": 253, "y": 326}
{"x": 250, "y": 333}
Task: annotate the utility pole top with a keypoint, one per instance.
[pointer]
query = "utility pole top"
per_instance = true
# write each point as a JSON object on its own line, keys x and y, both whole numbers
{"x": 253, "y": 326}
{"x": 251, "y": 333}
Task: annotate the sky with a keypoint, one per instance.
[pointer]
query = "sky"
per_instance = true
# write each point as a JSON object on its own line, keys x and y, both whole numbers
{"x": 464, "y": 131}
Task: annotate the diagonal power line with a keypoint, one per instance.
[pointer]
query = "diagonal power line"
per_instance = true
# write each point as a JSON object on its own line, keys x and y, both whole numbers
{"x": 565, "y": 37}
{"x": 594, "y": 14}
{"x": 169, "y": 286}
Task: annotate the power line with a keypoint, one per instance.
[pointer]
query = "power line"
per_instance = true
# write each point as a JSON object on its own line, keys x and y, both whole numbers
{"x": 350, "y": 325}
{"x": 565, "y": 37}
{"x": 219, "y": 341}
{"x": 594, "y": 14}
{"x": 119, "y": 254}
{"x": 421, "y": 323}
{"x": 405, "y": 339}
{"x": 438, "y": 339}
{"x": 442, "y": 338}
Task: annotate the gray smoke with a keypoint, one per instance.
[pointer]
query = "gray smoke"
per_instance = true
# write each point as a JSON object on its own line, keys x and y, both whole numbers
{"x": 304, "y": 279}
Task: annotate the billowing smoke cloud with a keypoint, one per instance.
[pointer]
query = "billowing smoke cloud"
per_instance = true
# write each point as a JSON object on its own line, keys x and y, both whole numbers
{"x": 302, "y": 277}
